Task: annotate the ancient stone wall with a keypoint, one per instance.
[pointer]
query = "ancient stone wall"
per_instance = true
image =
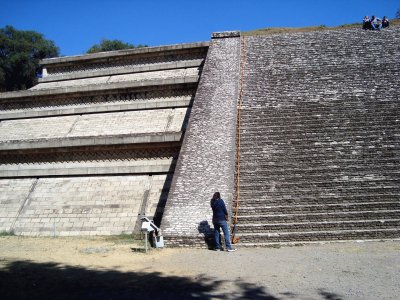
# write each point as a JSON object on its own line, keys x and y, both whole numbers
{"x": 93, "y": 146}
{"x": 207, "y": 158}
{"x": 77, "y": 205}
{"x": 320, "y": 136}
{"x": 101, "y": 140}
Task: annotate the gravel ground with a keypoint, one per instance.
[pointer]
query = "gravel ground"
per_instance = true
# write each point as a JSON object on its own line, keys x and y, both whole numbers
{"x": 100, "y": 268}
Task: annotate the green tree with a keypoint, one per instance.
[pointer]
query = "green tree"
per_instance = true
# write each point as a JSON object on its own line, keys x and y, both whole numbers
{"x": 111, "y": 45}
{"x": 20, "y": 53}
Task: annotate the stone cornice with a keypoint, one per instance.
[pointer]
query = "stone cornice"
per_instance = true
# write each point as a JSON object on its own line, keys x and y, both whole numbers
{"x": 98, "y": 87}
{"x": 92, "y": 141}
{"x": 121, "y": 53}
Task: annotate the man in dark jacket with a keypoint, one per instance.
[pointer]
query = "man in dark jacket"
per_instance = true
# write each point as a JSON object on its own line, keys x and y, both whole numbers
{"x": 220, "y": 217}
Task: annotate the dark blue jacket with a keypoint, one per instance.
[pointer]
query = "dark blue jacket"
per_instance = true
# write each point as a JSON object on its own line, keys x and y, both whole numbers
{"x": 219, "y": 210}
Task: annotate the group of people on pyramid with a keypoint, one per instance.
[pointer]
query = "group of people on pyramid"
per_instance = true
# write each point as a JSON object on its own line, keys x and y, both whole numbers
{"x": 375, "y": 23}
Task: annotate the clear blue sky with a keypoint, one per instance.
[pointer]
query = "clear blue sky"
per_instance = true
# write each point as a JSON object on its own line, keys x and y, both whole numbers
{"x": 76, "y": 25}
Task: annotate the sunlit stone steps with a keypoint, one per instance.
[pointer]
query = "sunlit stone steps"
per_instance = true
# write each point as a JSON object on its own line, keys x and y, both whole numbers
{"x": 320, "y": 143}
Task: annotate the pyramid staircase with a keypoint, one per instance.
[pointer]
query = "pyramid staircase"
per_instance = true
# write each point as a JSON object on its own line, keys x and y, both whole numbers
{"x": 319, "y": 142}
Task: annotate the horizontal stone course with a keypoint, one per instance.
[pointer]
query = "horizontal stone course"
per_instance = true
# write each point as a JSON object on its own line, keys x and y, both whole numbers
{"x": 159, "y": 50}
{"x": 107, "y": 71}
{"x": 162, "y": 165}
{"x": 94, "y": 125}
{"x": 83, "y": 108}
{"x": 104, "y": 80}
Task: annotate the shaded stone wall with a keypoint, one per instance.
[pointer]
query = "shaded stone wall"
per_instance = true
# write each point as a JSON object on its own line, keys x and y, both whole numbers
{"x": 320, "y": 137}
{"x": 207, "y": 158}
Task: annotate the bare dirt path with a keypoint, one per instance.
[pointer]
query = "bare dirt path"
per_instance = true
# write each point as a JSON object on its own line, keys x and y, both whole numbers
{"x": 104, "y": 268}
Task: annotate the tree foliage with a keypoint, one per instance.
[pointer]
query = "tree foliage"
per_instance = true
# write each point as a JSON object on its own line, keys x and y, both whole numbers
{"x": 20, "y": 53}
{"x": 111, "y": 45}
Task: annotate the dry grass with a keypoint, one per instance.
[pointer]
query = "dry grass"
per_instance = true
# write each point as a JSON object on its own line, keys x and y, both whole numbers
{"x": 273, "y": 30}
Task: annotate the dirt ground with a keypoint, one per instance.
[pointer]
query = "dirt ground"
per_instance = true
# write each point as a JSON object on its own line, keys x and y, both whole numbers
{"x": 110, "y": 268}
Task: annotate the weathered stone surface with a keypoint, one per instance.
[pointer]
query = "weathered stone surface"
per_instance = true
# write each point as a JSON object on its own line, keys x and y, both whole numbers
{"x": 319, "y": 140}
{"x": 107, "y": 101}
{"x": 13, "y": 193}
{"x": 97, "y": 88}
{"x": 207, "y": 159}
{"x": 134, "y": 68}
{"x": 94, "y": 125}
{"x": 319, "y": 137}
{"x": 82, "y": 205}
{"x": 92, "y": 119}
{"x": 225, "y": 34}
{"x": 144, "y": 55}
{"x": 112, "y": 79}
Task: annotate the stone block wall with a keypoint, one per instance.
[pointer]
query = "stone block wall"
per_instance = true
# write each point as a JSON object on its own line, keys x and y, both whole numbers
{"x": 96, "y": 125}
{"x": 105, "y": 80}
{"x": 13, "y": 193}
{"x": 98, "y": 142}
{"x": 320, "y": 137}
{"x": 93, "y": 146}
{"x": 207, "y": 158}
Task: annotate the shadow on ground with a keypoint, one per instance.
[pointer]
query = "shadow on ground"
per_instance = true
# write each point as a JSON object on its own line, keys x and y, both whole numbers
{"x": 30, "y": 280}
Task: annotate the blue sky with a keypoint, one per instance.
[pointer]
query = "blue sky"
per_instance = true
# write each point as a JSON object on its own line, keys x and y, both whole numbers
{"x": 76, "y": 25}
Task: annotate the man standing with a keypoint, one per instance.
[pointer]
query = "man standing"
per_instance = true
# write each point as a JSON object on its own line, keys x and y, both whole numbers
{"x": 220, "y": 217}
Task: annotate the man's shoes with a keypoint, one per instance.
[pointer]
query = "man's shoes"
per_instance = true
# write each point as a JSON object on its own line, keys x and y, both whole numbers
{"x": 231, "y": 250}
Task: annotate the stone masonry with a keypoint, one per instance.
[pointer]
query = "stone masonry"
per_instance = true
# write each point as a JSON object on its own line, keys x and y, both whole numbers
{"x": 320, "y": 137}
{"x": 106, "y": 138}
{"x": 94, "y": 145}
{"x": 207, "y": 159}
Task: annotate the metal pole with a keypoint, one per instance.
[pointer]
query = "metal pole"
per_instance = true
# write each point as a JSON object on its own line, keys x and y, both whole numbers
{"x": 145, "y": 240}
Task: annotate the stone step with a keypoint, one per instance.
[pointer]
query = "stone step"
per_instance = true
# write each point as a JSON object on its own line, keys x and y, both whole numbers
{"x": 296, "y": 146}
{"x": 311, "y": 178}
{"x": 313, "y": 110}
{"x": 261, "y": 199}
{"x": 308, "y": 113}
{"x": 309, "y": 236}
{"x": 269, "y": 191}
{"x": 312, "y": 134}
{"x": 307, "y": 159}
{"x": 331, "y": 180}
{"x": 265, "y": 208}
{"x": 317, "y": 226}
{"x": 319, "y": 217}
{"x": 319, "y": 157}
{"x": 274, "y": 128}
{"x": 311, "y": 151}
